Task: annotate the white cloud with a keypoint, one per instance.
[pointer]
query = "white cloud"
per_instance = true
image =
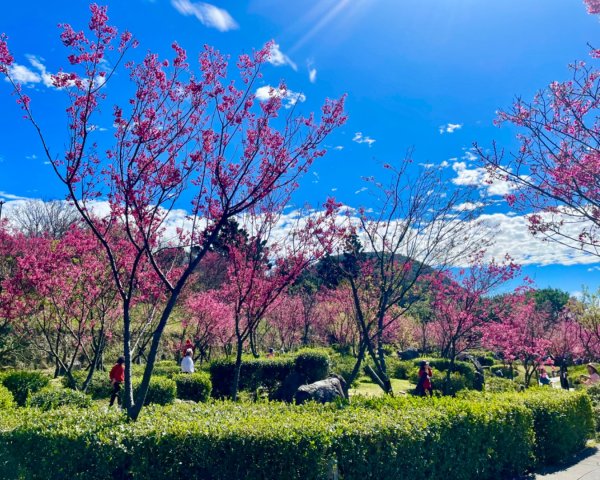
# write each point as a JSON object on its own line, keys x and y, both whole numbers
{"x": 289, "y": 97}
{"x": 36, "y": 62}
{"x": 479, "y": 177}
{"x": 360, "y": 190}
{"x": 23, "y": 75}
{"x": 339, "y": 147}
{"x": 278, "y": 58}
{"x": 209, "y": 15}
{"x": 449, "y": 128}
{"x": 334, "y": 189}
{"x": 31, "y": 157}
{"x": 444, "y": 164}
{"x": 427, "y": 165}
{"x": 360, "y": 138}
{"x": 10, "y": 196}
{"x": 312, "y": 75}
{"x": 467, "y": 206}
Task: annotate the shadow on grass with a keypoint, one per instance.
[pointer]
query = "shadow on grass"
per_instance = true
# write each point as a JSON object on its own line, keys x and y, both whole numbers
{"x": 581, "y": 457}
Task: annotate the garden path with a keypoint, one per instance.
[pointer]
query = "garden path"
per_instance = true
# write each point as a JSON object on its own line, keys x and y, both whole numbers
{"x": 585, "y": 466}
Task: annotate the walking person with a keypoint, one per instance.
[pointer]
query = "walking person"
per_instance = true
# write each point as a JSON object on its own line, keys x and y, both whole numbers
{"x": 117, "y": 377}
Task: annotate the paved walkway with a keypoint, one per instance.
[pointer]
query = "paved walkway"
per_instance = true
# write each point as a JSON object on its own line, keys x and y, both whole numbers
{"x": 585, "y": 467}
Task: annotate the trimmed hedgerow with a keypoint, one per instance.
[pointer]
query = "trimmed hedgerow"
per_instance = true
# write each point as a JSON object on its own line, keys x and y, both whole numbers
{"x": 24, "y": 382}
{"x": 50, "y": 398}
{"x": 487, "y": 437}
{"x": 161, "y": 391}
{"x": 269, "y": 374}
{"x": 195, "y": 387}
{"x": 498, "y": 384}
{"x": 6, "y": 398}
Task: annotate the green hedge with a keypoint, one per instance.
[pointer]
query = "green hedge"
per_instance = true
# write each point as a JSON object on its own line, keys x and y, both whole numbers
{"x": 487, "y": 437}
{"x": 50, "y": 398}
{"x": 594, "y": 394}
{"x": 6, "y": 398}
{"x": 270, "y": 374}
{"x": 463, "y": 377}
{"x": 195, "y": 387}
{"x": 498, "y": 384}
{"x": 161, "y": 390}
{"x": 505, "y": 369}
{"x": 22, "y": 383}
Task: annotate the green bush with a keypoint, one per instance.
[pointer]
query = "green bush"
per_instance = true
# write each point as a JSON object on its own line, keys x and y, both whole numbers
{"x": 98, "y": 388}
{"x": 497, "y": 384}
{"x": 343, "y": 365}
{"x": 490, "y": 436}
{"x": 400, "y": 369}
{"x": 166, "y": 368}
{"x": 463, "y": 377}
{"x": 311, "y": 365}
{"x": 269, "y": 374}
{"x": 196, "y": 387}
{"x": 6, "y": 398}
{"x": 49, "y": 398}
{"x": 563, "y": 423}
{"x": 22, "y": 383}
{"x": 161, "y": 391}
{"x": 594, "y": 394}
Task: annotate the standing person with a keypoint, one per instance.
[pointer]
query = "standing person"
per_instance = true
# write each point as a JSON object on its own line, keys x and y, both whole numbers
{"x": 424, "y": 385}
{"x": 564, "y": 380}
{"x": 117, "y": 377}
{"x": 187, "y": 364}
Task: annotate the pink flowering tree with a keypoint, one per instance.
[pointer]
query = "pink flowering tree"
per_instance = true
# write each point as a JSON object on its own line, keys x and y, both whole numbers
{"x": 586, "y": 313}
{"x": 335, "y": 318}
{"x": 554, "y": 173}
{"x": 285, "y": 322}
{"x": 208, "y": 321}
{"x": 183, "y": 135}
{"x": 519, "y": 332}
{"x": 461, "y": 304}
{"x": 62, "y": 297}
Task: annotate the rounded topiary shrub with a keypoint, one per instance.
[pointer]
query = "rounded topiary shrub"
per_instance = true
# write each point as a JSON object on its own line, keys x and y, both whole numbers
{"x": 22, "y": 383}
{"x": 6, "y": 398}
{"x": 312, "y": 365}
{"x": 497, "y": 384}
{"x": 49, "y": 398}
{"x": 196, "y": 387}
{"x": 161, "y": 391}
{"x": 166, "y": 368}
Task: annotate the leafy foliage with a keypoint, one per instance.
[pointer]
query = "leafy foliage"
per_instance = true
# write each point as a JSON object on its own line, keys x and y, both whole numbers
{"x": 196, "y": 387}
{"x": 161, "y": 390}
{"x": 50, "y": 398}
{"x": 22, "y": 383}
{"x": 6, "y": 398}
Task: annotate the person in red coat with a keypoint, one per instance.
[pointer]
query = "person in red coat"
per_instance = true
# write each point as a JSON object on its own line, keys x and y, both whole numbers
{"x": 424, "y": 385}
{"x": 117, "y": 377}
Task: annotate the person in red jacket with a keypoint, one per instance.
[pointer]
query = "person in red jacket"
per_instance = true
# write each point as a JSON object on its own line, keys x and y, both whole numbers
{"x": 117, "y": 377}
{"x": 424, "y": 385}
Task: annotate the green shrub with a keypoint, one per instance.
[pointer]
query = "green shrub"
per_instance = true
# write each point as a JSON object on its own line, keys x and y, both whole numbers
{"x": 6, "y": 398}
{"x": 497, "y": 384}
{"x": 269, "y": 374}
{"x": 343, "y": 365}
{"x": 463, "y": 377}
{"x": 490, "y": 436}
{"x": 22, "y": 383}
{"x": 98, "y": 388}
{"x": 562, "y": 420}
{"x": 400, "y": 369}
{"x": 49, "y": 398}
{"x": 311, "y": 365}
{"x": 594, "y": 394}
{"x": 166, "y": 368}
{"x": 161, "y": 390}
{"x": 196, "y": 387}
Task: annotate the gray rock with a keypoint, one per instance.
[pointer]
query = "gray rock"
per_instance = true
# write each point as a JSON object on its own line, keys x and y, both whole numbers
{"x": 323, "y": 391}
{"x": 408, "y": 354}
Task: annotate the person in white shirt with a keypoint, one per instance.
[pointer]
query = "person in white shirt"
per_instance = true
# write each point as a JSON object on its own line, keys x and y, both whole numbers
{"x": 187, "y": 364}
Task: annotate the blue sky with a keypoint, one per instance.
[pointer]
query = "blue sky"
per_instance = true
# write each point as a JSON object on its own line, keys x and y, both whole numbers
{"x": 427, "y": 74}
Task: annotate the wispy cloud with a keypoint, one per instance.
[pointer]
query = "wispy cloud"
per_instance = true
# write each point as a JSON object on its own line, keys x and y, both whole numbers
{"x": 479, "y": 177}
{"x": 10, "y": 196}
{"x": 360, "y": 138}
{"x": 338, "y": 147}
{"x": 449, "y": 128}
{"x": 209, "y": 15}
{"x": 278, "y": 58}
{"x": 360, "y": 190}
{"x": 289, "y": 97}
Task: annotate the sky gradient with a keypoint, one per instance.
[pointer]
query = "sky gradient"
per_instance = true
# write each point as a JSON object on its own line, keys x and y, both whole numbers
{"x": 422, "y": 74}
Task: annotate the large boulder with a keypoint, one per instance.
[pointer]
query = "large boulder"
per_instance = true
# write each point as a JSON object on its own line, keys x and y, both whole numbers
{"x": 323, "y": 391}
{"x": 408, "y": 354}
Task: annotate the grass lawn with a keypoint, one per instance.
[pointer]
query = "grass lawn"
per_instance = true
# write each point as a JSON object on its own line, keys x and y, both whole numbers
{"x": 367, "y": 388}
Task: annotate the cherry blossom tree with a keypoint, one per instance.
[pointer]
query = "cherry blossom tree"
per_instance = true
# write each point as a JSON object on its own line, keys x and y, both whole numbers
{"x": 554, "y": 173}
{"x": 181, "y": 135}
{"x": 461, "y": 303}
{"x": 519, "y": 332}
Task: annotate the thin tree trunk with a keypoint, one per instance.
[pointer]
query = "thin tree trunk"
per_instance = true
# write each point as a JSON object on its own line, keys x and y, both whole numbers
{"x": 237, "y": 370}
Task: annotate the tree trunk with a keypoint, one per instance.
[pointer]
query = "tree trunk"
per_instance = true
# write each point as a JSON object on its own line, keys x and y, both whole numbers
{"x": 357, "y": 365}
{"x": 237, "y": 370}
